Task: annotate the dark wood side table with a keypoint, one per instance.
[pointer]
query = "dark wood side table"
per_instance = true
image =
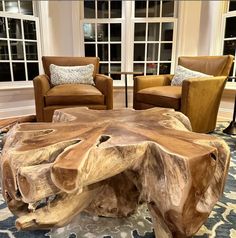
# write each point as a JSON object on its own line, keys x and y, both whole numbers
{"x": 126, "y": 88}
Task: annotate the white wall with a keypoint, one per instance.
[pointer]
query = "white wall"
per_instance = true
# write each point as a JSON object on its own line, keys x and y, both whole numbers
{"x": 210, "y": 32}
{"x": 60, "y": 14}
{"x": 199, "y": 27}
{"x": 189, "y": 14}
{"x": 56, "y": 27}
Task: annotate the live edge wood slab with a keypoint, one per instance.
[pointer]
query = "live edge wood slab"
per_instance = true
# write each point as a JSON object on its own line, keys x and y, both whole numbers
{"x": 108, "y": 162}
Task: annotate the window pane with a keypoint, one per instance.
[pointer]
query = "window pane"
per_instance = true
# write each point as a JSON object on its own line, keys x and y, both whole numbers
{"x": 102, "y": 32}
{"x": 17, "y": 50}
{"x": 232, "y": 5}
{"x": 3, "y": 33}
{"x": 89, "y": 32}
{"x": 89, "y": 9}
{"x": 153, "y": 31}
{"x": 154, "y": 9}
{"x": 230, "y": 30}
{"x": 164, "y": 68}
{"x": 103, "y": 69}
{"x": 116, "y": 9}
{"x": 14, "y": 26}
{"x": 140, "y": 8}
{"x": 116, "y": 68}
{"x": 138, "y": 67}
{"x": 26, "y": 7}
{"x": 19, "y": 71}
{"x": 90, "y": 50}
{"x": 229, "y": 47}
{"x": 33, "y": 70}
{"x": 167, "y": 31}
{"x": 5, "y": 73}
{"x": 168, "y": 8}
{"x": 152, "y": 52}
{"x": 31, "y": 50}
{"x": 102, "y": 9}
{"x": 151, "y": 69}
{"x": 3, "y": 50}
{"x": 115, "y": 52}
{"x": 29, "y": 30}
{"x": 103, "y": 52}
{"x": 166, "y": 51}
{"x": 139, "y": 50}
{"x": 115, "y": 32}
{"x": 139, "y": 31}
{"x": 1, "y": 8}
{"x": 11, "y": 6}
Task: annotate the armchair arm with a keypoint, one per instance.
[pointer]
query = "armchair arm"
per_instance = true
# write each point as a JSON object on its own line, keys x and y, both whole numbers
{"x": 41, "y": 86}
{"x": 105, "y": 84}
{"x": 200, "y": 101}
{"x": 142, "y": 82}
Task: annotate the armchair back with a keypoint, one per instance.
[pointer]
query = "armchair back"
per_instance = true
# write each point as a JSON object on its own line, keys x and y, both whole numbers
{"x": 69, "y": 61}
{"x": 211, "y": 65}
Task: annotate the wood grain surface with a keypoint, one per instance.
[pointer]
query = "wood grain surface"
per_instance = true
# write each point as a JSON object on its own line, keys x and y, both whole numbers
{"x": 107, "y": 163}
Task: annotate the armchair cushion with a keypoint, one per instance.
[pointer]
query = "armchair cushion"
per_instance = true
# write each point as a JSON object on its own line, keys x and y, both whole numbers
{"x": 71, "y": 74}
{"x": 73, "y": 94}
{"x": 182, "y": 73}
{"x": 163, "y": 96}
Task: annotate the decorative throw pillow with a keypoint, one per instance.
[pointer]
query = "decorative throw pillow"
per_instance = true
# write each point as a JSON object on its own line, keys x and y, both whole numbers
{"x": 71, "y": 74}
{"x": 182, "y": 74}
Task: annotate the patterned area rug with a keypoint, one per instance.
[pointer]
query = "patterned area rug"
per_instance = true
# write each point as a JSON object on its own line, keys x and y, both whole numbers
{"x": 220, "y": 224}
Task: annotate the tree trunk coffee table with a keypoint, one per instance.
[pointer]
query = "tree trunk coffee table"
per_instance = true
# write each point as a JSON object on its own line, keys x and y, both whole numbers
{"x": 108, "y": 162}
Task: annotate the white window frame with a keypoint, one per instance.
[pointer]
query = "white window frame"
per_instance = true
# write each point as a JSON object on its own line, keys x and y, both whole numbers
{"x": 173, "y": 42}
{"x": 127, "y": 50}
{"x": 20, "y": 16}
{"x": 160, "y": 20}
{"x": 109, "y": 20}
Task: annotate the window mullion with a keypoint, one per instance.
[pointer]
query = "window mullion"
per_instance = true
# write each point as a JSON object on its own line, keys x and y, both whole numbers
{"x": 159, "y": 48}
{"x": 19, "y": 8}
{"x": 161, "y": 5}
{"x": 24, "y": 50}
{"x": 9, "y": 50}
{"x": 3, "y": 5}
{"x": 145, "y": 49}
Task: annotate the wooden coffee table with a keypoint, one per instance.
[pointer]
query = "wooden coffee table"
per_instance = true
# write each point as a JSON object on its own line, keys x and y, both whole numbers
{"x": 107, "y": 162}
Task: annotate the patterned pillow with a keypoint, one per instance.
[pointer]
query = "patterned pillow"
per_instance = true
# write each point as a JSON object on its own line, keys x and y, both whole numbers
{"x": 182, "y": 73}
{"x": 71, "y": 74}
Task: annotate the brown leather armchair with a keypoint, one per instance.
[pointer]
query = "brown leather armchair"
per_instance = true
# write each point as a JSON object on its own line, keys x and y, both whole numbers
{"x": 48, "y": 98}
{"x": 197, "y": 98}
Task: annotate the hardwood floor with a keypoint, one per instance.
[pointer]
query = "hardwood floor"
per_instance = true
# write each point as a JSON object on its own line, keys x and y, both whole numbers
{"x": 118, "y": 102}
